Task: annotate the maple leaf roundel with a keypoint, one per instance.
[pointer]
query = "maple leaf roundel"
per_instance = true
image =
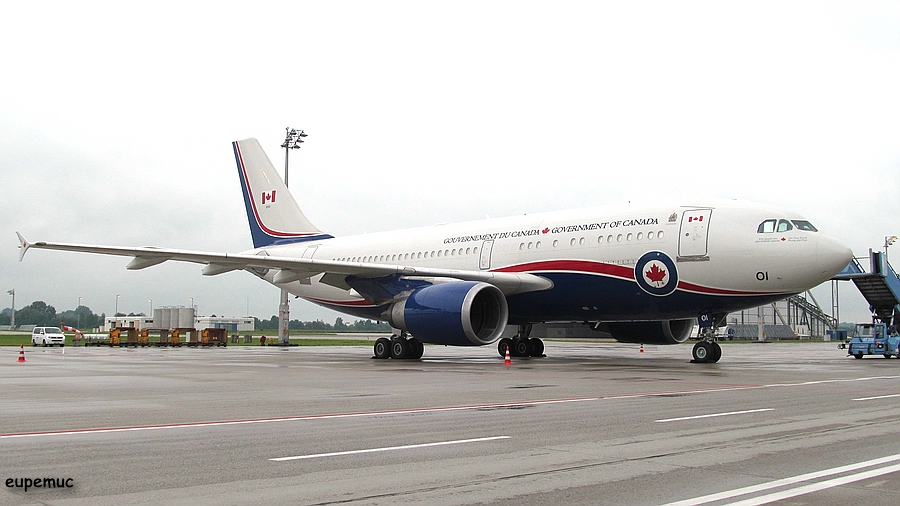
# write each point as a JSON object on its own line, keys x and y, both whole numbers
{"x": 655, "y": 273}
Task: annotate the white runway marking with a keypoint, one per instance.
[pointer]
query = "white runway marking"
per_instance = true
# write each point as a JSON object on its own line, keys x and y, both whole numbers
{"x": 806, "y": 489}
{"x": 877, "y": 397}
{"x": 815, "y": 487}
{"x": 390, "y": 448}
{"x": 102, "y": 430}
{"x": 713, "y": 415}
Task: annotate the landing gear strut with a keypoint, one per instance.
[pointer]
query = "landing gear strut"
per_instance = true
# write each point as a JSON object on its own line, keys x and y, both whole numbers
{"x": 521, "y": 345}
{"x": 707, "y": 351}
{"x": 399, "y": 347}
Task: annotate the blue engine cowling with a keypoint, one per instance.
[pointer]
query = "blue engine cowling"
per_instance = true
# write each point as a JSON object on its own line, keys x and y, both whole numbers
{"x": 457, "y": 313}
{"x": 659, "y": 332}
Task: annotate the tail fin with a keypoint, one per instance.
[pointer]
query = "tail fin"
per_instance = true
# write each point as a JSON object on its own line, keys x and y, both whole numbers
{"x": 275, "y": 217}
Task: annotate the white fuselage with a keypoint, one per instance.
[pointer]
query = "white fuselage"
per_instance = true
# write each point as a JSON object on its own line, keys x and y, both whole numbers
{"x": 722, "y": 259}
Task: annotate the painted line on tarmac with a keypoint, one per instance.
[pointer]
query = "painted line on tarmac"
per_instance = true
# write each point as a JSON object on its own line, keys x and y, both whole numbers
{"x": 735, "y": 388}
{"x": 806, "y": 489}
{"x": 390, "y": 448}
{"x": 296, "y": 418}
{"x": 713, "y": 415}
{"x": 815, "y": 487}
{"x": 877, "y": 397}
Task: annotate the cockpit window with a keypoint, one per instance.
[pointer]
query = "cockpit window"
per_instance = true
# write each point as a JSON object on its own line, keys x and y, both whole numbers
{"x": 766, "y": 227}
{"x": 804, "y": 225}
{"x": 784, "y": 226}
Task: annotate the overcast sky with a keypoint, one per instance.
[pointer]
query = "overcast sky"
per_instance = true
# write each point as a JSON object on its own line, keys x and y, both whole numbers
{"x": 116, "y": 121}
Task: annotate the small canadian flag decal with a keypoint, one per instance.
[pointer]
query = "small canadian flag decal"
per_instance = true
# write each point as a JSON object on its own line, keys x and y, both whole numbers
{"x": 268, "y": 197}
{"x": 695, "y": 218}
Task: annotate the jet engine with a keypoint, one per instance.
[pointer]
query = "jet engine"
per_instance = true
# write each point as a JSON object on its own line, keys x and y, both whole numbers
{"x": 658, "y": 332}
{"x": 458, "y": 313}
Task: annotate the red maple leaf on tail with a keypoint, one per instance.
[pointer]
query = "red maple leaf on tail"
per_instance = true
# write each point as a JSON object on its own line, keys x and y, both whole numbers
{"x": 655, "y": 274}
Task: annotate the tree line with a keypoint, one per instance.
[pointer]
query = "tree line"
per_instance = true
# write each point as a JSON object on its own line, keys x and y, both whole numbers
{"x": 41, "y": 314}
{"x": 358, "y": 325}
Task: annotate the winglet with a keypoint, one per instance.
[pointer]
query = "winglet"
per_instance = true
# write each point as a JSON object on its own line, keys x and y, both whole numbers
{"x": 23, "y": 246}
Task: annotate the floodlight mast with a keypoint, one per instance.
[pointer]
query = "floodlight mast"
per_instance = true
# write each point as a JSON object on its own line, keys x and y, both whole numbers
{"x": 292, "y": 140}
{"x": 12, "y": 310}
{"x": 888, "y": 241}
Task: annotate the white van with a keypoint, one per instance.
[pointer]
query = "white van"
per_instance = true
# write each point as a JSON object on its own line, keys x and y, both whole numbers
{"x": 47, "y": 336}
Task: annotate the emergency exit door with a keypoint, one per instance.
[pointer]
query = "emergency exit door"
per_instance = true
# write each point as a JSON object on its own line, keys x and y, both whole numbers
{"x": 486, "y": 248}
{"x": 693, "y": 240}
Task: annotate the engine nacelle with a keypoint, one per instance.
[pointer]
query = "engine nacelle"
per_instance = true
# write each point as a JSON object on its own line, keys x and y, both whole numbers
{"x": 458, "y": 313}
{"x": 659, "y": 332}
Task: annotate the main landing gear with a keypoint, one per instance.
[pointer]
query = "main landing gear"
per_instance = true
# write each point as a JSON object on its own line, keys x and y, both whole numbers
{"x": 399, "y": 347}
{"x": 521, "y": 345}
{"x": 707, "y": 351}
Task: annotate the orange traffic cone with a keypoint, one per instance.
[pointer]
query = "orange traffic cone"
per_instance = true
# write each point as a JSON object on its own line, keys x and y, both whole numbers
{"x": 21, "y": 353}
{"x": 507, "y": 361}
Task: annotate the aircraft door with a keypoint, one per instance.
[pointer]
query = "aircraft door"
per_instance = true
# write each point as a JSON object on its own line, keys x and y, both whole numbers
{"x": 486, "y": 249}
{"x": 693, "y": 238}
{"x": 309, "y": 252}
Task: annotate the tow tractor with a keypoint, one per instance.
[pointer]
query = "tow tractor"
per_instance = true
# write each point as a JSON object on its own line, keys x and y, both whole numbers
{"x": 874, "y": 339}
{"x": 881, "y": 288}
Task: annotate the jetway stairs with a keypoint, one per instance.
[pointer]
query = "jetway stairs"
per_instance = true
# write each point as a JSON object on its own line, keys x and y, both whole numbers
{"x": 880, "y": 286}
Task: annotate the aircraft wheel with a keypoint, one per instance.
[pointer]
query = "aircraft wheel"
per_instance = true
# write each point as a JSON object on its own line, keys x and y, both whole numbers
{"x": 702, "y": 352}
{"x": 416, "y": 349}
{"x": 382, "y": 348}
{"x": 520, "y": 348}
{"x": 717, "y": 352}
{"x": 503, "y": 344}
{"x": 536, "y": 347}
{"x": 399, "y": 348}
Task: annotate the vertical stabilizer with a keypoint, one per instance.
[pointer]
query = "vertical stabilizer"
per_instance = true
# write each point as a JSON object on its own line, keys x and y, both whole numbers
{"x": 274, "y": 216}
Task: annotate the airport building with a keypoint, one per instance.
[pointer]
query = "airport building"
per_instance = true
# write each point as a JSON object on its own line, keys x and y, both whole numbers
{"x": 179, "y": 317}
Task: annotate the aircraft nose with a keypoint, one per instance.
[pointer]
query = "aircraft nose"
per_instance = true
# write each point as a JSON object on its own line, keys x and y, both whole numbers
{"x": 832, "y": 256}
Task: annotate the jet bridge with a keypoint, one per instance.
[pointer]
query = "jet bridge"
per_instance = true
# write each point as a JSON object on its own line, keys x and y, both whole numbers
{"x": 880, "y": 286}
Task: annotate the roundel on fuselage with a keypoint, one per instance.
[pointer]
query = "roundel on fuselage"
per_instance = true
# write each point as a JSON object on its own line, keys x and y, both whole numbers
{"x": 656, "y": 274}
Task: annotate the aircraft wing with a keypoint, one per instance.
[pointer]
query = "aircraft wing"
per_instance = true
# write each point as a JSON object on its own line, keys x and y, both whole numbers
{"x": 292, "y": 268}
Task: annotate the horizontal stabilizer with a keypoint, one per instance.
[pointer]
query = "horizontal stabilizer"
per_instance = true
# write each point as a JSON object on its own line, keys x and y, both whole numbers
{"x": 23, "y": 246}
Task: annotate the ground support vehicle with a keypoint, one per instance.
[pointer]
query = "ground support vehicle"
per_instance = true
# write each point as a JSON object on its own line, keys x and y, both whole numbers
{"x": 874, "y": 339}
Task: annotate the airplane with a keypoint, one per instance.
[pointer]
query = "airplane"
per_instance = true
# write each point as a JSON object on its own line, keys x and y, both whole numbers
{"x": 644, "y": 275}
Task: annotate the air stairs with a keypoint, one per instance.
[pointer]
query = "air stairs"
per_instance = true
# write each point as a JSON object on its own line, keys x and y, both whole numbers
{"x": 880, "y": 286}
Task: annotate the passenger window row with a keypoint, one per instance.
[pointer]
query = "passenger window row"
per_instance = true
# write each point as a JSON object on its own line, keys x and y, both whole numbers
{"x": 609, "y": 239}
{"x": 410, "y": 256}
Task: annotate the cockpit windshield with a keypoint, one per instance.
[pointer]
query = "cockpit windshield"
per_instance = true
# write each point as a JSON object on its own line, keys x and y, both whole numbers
{"x": 782, "y": 225}
{"x": 804, "y": 225}
{"x": 766, "y": 227}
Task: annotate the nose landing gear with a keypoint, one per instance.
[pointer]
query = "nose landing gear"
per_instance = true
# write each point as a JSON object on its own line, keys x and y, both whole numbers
{"x": 707, "y": 351}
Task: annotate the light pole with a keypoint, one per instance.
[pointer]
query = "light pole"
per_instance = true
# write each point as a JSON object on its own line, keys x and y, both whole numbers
{"x": 888, "y": 240}
{"x": 151, "y": 307}
{"x": 292, "y": 140}
{"x": 77, "y": 312}
{"x": 12, "y": 311}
